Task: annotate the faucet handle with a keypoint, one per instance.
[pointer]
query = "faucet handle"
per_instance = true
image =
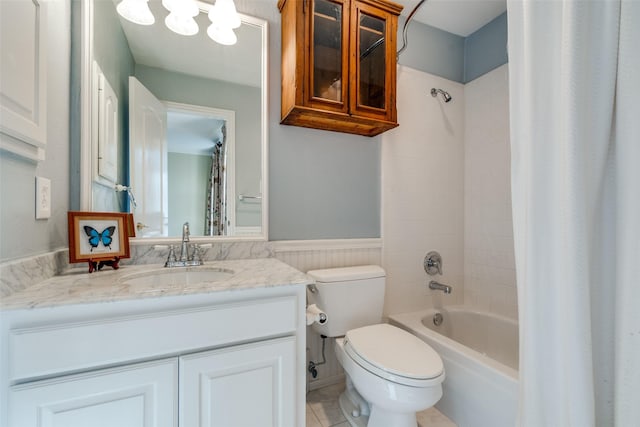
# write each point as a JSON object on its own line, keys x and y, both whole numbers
{"x": 433, "y": 263}
{"x": 197, "y": 254}
{"x": 171, "y": 257}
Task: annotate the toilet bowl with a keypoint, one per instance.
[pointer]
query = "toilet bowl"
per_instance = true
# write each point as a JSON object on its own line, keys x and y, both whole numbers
{"x": 390, "y": 374}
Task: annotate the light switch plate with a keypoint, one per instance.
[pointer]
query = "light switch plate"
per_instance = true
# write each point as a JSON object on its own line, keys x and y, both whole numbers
{"x": 43, "y": 198}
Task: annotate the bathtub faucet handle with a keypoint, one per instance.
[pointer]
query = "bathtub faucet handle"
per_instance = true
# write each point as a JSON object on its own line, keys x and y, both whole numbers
{"x": 433, "y": 263}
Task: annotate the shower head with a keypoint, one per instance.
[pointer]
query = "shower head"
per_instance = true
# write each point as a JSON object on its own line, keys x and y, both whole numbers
{"x": 445, "y": 95}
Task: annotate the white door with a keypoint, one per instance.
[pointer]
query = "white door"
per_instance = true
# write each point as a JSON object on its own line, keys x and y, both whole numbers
{"x": 107, "y": 129}
{"x": 243, "y": 386}
{"x": 142, "y": 395}
{"x": 148, "y": 160}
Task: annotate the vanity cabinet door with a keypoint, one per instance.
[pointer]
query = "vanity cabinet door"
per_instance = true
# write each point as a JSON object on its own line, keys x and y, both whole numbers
{"x": 142, "y": 395}
{"x": 242, "y": 386}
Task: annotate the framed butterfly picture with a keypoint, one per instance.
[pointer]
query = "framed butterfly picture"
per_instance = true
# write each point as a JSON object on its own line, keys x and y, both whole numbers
{"x": 99, "y": 237}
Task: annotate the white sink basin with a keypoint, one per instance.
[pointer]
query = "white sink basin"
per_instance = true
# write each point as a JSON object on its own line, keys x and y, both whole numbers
{"x": 177, "y": 276}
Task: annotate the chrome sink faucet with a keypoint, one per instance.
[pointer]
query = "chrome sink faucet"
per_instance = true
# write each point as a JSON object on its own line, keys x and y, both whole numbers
{"x": 439, "y": 287}
{"x": 184, "y": 247}
{"x": 186, "y": 259}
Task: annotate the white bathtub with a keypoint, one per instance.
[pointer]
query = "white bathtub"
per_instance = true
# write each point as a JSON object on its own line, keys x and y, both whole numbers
{"x": 480, "y": 355}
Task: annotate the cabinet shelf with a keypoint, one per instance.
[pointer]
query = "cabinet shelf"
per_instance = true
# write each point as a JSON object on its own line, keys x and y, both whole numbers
{"x": 373, "y": 31}
{"x": 323, "y": 16}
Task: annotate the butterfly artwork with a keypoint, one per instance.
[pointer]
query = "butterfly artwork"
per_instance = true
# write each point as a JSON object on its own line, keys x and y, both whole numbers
{"x": 95, "y": 237}
{"x": 99, "y": 238}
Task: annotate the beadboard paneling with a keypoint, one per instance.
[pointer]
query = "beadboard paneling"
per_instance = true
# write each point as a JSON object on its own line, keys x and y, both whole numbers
{"x": 314, "y": 254}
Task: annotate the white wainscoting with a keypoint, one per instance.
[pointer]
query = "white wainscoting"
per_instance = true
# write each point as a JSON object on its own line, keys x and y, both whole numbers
{"x": 308, "y": 255}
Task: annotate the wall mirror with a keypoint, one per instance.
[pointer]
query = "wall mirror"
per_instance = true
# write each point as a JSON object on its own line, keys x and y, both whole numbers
{"x": 177, "y": 124}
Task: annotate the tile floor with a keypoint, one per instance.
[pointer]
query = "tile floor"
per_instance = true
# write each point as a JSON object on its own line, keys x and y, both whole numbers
{"x": 323, "y": 410}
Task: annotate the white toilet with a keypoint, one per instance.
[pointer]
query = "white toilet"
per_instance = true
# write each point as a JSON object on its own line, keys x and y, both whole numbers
{"x": 391, "y": 374}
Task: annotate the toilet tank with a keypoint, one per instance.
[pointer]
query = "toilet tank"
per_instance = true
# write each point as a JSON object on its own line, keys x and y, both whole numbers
{"x": 350, "y": 296}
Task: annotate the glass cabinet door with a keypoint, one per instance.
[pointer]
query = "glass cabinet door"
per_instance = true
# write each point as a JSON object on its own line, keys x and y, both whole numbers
{"x": 329, "y": 60}
{"x": 373, "y": 60}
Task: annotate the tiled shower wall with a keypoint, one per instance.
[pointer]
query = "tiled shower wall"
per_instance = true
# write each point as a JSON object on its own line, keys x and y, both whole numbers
{"x": 446, "y": 187}
{"x": 489, "y": 264}
{"x": 423, "y": 192}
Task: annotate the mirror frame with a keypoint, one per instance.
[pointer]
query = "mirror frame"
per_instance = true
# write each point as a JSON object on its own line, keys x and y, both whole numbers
{"x": 87, "y": 148}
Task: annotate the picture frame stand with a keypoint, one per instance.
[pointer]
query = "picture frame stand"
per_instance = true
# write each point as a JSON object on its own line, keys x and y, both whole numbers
{"x": 98, "y": 264}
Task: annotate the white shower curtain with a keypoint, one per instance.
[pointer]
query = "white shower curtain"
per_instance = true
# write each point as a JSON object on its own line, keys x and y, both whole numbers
{"x": 574, "y": 69}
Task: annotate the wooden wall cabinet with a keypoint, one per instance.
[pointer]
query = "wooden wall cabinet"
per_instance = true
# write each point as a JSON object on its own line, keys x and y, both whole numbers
{"x": 339, "y": 64}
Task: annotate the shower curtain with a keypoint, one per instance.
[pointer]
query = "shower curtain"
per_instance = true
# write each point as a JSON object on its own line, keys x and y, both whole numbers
{"x": 216, "y": 205}
{"x": 574, "y": 70}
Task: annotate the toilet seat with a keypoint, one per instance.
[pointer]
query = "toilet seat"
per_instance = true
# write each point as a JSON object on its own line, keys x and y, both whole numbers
{"x": 395, "y": 355}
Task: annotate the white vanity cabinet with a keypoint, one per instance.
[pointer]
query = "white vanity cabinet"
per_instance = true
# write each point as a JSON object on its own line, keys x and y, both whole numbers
{"x": 227, "y": 359}
{"x": 139, "y": 395}
{"x": 243, "y": 386}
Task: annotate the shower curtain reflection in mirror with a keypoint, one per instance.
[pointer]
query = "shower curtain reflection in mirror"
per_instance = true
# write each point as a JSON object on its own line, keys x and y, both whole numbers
{"x": 216, "y": 197}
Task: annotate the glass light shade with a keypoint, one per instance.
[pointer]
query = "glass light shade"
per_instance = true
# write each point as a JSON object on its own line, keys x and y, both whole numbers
{"x": 136, "y": 11}
{"x": 180, "y": 20}
{"x": 183, "y": 25}
{"x": 224, "y": 14}
{"x": 182, "y": 7}
{"x": 223, "y": 35}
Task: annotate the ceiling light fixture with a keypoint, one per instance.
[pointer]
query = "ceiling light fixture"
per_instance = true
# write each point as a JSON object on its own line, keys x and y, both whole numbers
{"x": 136, "y": 11}
{"x": 223, "y": 35}
{"x": 223, "y": 16}
{"x": 180, "y": 19}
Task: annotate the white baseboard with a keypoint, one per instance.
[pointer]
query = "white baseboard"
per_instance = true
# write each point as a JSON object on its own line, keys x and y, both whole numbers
{"x": 324, "y": 382}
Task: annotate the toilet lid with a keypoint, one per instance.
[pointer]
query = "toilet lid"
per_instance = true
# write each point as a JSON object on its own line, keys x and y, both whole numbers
{"x": 394, "y": 351}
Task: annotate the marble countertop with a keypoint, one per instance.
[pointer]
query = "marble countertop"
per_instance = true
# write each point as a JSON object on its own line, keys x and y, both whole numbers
{"x": 77, "y": 286}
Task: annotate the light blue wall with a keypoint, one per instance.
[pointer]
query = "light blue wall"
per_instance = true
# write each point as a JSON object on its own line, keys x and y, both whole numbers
{"x": 486, "y": 49}
{"x": 75, "y": 120}
{"x": 20, "y": 233}
{"x": 432, "y": 50}
{"x": 323, "y": 185}
{"x": 453, "y": 57}
{"x": 112, "y": 53}
{"x": 187, "y": 190}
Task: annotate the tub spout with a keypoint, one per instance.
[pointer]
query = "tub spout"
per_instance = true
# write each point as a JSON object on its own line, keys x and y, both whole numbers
{"x": 439, "y": 287}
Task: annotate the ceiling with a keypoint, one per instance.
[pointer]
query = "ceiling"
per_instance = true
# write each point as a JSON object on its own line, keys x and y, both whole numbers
{"x": 461, "y": 17}
{"x": 189, "y": 133}
{"x": 198, "y": 55}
